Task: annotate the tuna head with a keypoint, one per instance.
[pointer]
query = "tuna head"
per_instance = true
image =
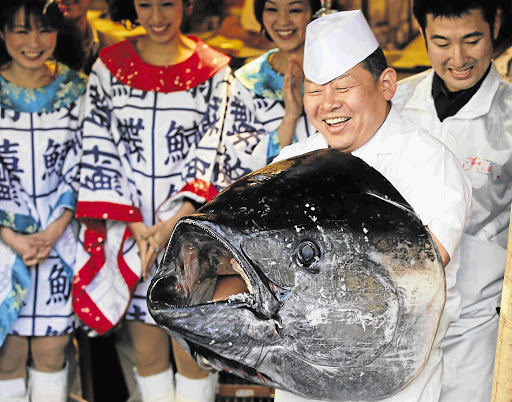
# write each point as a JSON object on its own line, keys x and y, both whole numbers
{"x": 312, "y": 275}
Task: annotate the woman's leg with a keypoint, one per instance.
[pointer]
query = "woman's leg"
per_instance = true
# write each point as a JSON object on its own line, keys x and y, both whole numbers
{"x": 193, "y": 384}
{"x": 151, "y": 345}
{"x": 13, "y": 357}
{"x": 13, "y": 362}
{"x": 153, "y": 374}
{"x": 48, "y": 378}
{"x": 185, "y": 364}
{"x": 48, "y": 352}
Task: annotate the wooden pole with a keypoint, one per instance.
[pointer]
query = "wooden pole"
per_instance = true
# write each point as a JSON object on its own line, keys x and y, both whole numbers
{"x": 502, "y": 381}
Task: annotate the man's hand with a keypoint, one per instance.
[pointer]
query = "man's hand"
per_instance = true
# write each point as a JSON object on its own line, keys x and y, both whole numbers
{"x": 444, "y": 254}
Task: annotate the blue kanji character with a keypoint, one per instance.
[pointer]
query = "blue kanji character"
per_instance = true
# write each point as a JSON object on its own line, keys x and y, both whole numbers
{"x": 130, "y": 134}
{"x": 100, "y": 114}
{"x": 59, "y": 285}
{"x": 176, "y": 146}
{"x": 136, "y": 314}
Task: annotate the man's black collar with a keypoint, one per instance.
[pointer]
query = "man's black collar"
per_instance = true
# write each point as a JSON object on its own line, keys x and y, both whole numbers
{"x": 449, "y": 103}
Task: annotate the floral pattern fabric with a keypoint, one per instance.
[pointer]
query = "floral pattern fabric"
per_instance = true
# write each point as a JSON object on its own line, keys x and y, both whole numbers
{"x": 68, "y": 85}
{"x": 40, "y": 155}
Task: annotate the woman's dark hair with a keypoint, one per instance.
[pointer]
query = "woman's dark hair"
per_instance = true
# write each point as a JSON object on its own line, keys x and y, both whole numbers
{"x": 259, "y": 6}
{"x": 124, "y": 11}
{"x": 68, "y": 48}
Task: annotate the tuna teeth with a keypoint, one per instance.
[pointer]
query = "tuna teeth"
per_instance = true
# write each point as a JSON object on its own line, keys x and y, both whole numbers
{"x": 337, "y": 120}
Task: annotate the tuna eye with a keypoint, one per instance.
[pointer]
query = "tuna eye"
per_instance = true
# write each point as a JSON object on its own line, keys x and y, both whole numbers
{"x": 308, "y": 253}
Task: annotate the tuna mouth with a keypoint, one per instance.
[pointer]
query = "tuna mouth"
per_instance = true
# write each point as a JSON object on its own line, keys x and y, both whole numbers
{"x": 200, "y": 268}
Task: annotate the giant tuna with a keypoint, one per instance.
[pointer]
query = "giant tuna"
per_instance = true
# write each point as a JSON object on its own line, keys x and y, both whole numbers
{"x": 312, "y": 275}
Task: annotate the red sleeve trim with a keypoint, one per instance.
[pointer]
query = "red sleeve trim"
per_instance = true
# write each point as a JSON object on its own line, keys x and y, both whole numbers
{"x": 90, "y": 314}
{"x": 94, "y": 237}
{"x": 128, "y": 275}
{"x": 201, "y": 188}
{"x": 84, "y": 306}
{"x": 107, "y": 210}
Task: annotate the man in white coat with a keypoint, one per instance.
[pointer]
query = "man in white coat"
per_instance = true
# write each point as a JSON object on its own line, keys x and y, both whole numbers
{"x": 463, "y": 103}
{"x": 347, "y": 96}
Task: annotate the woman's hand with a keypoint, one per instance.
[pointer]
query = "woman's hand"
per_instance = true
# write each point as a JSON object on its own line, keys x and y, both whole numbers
{"x": 292, "y": 94}
{"x": 48, "y": 237}
{"x": 36, "y": 247}
{"x": 157, "y": 237}
{"x": 139, "y": 231}
{"x": 292, "y": 88}
{"x": 159, "y": 234}
{"x": 30, "y": 248}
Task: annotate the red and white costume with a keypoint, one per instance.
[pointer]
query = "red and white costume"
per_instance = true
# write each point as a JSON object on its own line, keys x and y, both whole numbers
{"x": 150, "y": 138}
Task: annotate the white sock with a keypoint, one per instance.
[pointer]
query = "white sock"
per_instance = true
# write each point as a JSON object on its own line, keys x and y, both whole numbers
{"x": 157, "y": 387}
{"x": 196, "y": 390}
{"x": 13, "y": 390}
{"x": 48, "y": 387}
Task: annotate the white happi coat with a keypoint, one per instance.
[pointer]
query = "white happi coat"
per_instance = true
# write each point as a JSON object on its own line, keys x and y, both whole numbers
{"x": 144, "y": 150}
{"x": 39, "y": 170}
{"x": 431, "y": 180}
{"x": 480, "y": 135}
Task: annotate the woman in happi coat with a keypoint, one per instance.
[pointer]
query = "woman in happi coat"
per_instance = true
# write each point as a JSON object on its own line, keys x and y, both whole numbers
{"x": 152, "y": 124}
{"x": 40, "y": 98}
{"x": 265, "y": 110}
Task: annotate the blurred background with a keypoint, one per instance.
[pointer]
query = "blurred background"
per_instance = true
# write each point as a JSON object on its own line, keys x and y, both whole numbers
{"x": 229, "y": 25}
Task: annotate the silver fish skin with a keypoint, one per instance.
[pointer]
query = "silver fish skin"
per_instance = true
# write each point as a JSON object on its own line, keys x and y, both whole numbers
{"x": 338, "y": 286}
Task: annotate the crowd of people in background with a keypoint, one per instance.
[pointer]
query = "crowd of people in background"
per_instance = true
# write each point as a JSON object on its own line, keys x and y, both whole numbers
{"x": 106, "y": 142}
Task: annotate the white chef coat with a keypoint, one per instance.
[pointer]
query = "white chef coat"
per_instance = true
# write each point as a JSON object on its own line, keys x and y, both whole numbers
{"x": 480, "y": 135}
{"x": 432, "y": 181}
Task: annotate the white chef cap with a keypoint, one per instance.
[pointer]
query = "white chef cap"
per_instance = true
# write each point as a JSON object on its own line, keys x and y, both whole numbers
{"x": 335, "y": 43}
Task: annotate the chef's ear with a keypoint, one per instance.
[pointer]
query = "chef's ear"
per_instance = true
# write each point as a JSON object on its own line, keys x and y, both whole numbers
{"x": 387, "y": 82}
